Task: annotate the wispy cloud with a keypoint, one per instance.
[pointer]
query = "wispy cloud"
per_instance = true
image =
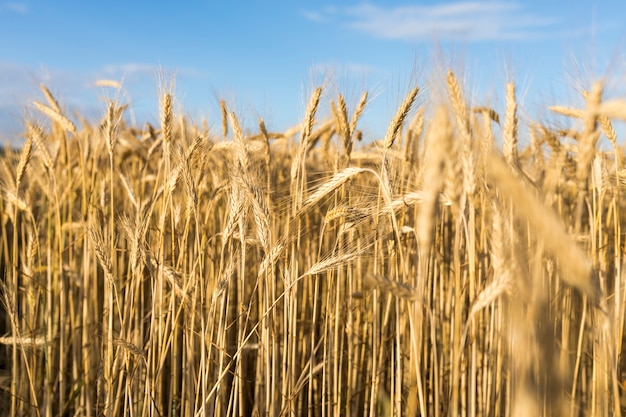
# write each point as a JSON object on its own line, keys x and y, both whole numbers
{"x": 348, "y": 69}
{"x": 130, "y": 68}
{"x": 15, "y": 7}
{"x": 496, "y": 20}
{"x": 138, "y": 70}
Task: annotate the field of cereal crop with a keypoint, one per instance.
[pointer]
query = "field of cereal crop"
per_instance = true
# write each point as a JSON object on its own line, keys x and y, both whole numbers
{"x": 467, "y": 263}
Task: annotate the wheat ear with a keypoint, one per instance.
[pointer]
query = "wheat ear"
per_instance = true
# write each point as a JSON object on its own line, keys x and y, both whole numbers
{"x": 56, "y": 116}
{"x": 398, "y": 119}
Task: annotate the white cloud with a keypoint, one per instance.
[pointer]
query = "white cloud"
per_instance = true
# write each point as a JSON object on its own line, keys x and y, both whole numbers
{"x": 142, "y": 71}
{"x": 314, "y": 16}
{"x": 462, "y": 20}
{"x": 351, "y": 68}
{"x": 15, "y": 7}
{"x": 130, "y": 68}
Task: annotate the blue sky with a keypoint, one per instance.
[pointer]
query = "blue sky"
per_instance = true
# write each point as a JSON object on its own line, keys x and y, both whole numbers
{"x": 263, "y": 58}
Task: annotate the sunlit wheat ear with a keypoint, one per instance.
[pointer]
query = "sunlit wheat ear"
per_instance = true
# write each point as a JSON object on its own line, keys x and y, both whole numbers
{"x": 457, "y": 101}
{"x": 134, "y": 234}
{"x": 100, "y": 247}
{"x": 357, "y": 112}
{"x": 461, "y": 116}
{"x": 307, "y": 128}
{"x": 567, "y": 111}
{"x": 342, "y": 118}
{"x": 39, "y": 138}
{"x": 261, "y": 216}
{"x": 241, "y": 154}
{"x": 224, "y": 113}
{"x": 349, "y": 214}
{"x": 574, "y": 264}
{"x": 332, "y": 184}
{"x": 607, "y": 128}
{"x": 266, "y": 141}
{"x": 333, "y": 262}
{"x": 605, "y": 123}
{"x": 166, "y": 123}
{"x": 56, "y": 116}
{"x": 25, "y": 157}
{"x": 590, "y": 135}
{"x": 51, "y": 100}
{"x": 487, "y": 138}
{"x": 110, "y": 124}
{"x": 398, "y": 119}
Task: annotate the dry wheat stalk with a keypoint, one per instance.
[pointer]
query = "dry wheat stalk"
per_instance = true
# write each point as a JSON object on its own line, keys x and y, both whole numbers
{"x": 590, "y": 135}
{"x": 439, "y": 139}
{"x": 504, "y": 276}
{"x": 509, "y": 138}
{"x": 575, "y": 266}
{"x": 129, "y": 190}
{"x": 17, "y": 201}
{"x": 411, "y": 148}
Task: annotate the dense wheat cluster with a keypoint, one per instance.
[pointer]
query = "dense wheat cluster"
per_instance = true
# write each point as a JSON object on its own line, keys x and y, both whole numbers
{"x": 469, "y": 263}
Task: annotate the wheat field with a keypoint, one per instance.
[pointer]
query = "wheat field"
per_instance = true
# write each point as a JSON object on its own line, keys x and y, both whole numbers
{"x": 468, "y": 263}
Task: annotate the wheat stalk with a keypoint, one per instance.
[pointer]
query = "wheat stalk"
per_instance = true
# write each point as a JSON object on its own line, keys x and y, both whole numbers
{"x": 576, "y": 268}
{"x": 509, "y": 138}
